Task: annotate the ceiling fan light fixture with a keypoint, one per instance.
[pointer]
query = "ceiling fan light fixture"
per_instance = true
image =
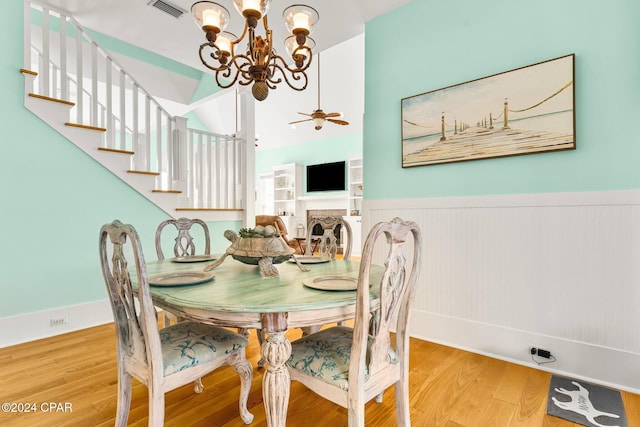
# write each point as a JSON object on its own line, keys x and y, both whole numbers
{"x": 318, "y": 116}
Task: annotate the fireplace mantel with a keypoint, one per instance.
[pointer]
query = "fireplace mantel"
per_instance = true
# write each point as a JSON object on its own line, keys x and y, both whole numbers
{"x": 324, "y": 201}
{"x": 342, "y": 196}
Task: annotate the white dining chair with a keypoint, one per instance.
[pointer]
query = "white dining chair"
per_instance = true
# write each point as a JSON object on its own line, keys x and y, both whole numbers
{"x": 350, "y": 366}
{"x": 184, "y": 246}
{"x": 184, "y": 242}
{"x": 328, "y": 244}
{"x": 160, "y": 359}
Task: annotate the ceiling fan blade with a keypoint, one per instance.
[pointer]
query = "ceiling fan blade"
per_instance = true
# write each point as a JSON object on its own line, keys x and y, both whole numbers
{"x": 304, "y": 114}
{"x": 338, "y": 122}
{"x": 333, "y": 115}
{"x": 300, "y": 121}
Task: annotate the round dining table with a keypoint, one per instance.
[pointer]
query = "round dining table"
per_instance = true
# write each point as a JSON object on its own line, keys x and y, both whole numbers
{"x": 239, "y": 296}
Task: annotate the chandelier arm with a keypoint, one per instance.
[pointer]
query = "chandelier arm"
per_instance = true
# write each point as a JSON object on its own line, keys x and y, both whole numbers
{"x": 246, "y": 61}
{"x": 243, "y": 71}
{"x": 306, "y": 63}
{"x": 216, "y": 54}
{"x": 244, "y": 32}
{"x": 270, "y": 52}
{"x": 295, "y": 74}
{"x": 226, "y": 73}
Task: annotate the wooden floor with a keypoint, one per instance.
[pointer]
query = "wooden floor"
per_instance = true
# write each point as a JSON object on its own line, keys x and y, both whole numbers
{"x": 449, "y": 387}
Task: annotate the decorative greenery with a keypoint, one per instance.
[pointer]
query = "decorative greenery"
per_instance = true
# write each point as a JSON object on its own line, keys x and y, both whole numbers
{"x": 258, "y": 231}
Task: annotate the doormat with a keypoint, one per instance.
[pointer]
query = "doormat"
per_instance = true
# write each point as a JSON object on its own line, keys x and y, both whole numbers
{"x": 585, "y": 403}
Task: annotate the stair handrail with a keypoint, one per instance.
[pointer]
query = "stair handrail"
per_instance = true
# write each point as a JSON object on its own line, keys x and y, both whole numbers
{"x": 160, "y": 141}
{"x": 151, "y": 155}
{"x": 104, "y": 52}
{"x": 103, "y": 107}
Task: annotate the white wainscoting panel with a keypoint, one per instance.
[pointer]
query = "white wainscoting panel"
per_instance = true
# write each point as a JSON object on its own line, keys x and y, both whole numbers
{"x": 559, "y": 271}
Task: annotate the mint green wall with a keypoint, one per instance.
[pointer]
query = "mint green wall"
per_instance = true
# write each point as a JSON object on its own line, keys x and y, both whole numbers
{"x": 319, "y": 151}
{"x": 445, "y": 43}
{"x": 206, "y": 87}
{"x": 54, "y": 200}
{"x": 115, "y": 45}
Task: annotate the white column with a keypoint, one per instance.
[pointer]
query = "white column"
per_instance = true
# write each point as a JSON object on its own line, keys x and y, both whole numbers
{"x": 248, "y": 132}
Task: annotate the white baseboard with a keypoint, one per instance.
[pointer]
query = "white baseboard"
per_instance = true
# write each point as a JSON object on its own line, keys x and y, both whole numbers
{"x": 34, "y": 326}
{"x": 605, "y": 366}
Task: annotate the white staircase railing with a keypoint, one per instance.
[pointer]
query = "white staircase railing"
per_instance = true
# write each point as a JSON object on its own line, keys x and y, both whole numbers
{"x": 205, "y": 168}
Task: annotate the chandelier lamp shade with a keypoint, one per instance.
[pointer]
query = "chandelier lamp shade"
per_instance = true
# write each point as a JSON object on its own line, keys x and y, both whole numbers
{"x": 255, "y": 61}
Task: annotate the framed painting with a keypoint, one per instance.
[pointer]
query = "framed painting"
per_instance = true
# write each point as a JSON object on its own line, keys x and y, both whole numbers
{"x": 523, "y": 111}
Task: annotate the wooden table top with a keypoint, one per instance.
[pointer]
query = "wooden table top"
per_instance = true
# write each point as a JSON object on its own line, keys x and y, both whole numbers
{"x": 239, "y": 288}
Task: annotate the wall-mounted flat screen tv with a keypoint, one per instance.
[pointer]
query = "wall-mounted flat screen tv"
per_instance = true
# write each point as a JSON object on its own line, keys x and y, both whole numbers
{"x": 326, "y": 177}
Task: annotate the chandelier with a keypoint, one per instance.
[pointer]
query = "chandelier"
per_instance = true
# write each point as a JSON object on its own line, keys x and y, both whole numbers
{"x": 258, "y": 63}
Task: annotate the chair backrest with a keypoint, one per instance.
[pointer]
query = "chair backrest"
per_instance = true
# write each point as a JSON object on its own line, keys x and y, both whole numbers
{"x": 136, "y": 327}
{"x": 370, "y": 351}
{"x": 274, "y": 220}
{"x": 184, "y": 245}
{"x": 328, "y": 245}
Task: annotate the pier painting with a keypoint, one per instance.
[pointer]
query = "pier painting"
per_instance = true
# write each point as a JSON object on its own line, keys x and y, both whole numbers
{"x": 522, "y": 111}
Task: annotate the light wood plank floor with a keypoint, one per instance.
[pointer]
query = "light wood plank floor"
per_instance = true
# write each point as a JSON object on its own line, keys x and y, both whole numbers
{"x": 449, "y": 387}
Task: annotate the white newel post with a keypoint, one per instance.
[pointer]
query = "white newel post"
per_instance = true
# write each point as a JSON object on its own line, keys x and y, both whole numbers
{"x": 248, "y": 133}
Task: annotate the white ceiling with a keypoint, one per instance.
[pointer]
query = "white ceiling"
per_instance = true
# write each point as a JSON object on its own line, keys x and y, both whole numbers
{"x": 338, "y": 36}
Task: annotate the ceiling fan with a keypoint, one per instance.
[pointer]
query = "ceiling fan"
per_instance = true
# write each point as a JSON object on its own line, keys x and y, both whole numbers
{"x": 318, "y": 116}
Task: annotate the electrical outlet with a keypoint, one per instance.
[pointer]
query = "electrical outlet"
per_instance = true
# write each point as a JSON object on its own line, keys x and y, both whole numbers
{"x": 546, "y": 354}
{"x": 58, "y": 321}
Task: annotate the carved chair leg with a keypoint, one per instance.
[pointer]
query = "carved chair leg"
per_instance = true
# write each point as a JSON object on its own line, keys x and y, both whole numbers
{"x": 124, "y": 398}
{"x": 402, "y": 401}
{"x": 198, "y": 387}
{"x": 355, "y": 414}
{"x": 245, "y": 371}
{"x": 156, "y": 406}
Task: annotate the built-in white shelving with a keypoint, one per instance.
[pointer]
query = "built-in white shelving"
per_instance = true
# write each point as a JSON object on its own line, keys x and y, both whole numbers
{"x": 287, "y": 184}
{"x": 355, "y": 186}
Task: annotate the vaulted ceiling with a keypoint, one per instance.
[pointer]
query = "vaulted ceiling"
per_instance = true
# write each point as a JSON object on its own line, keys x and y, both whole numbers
{"x": 338, "y": 37}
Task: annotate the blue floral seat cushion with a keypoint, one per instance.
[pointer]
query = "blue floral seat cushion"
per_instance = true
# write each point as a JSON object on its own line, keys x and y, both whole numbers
{"x": 325, "y": 355}
{"x": 188, "y": 344}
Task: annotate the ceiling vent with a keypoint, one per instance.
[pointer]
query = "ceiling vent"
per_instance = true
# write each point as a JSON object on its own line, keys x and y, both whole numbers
{"x": 168, "y": 8}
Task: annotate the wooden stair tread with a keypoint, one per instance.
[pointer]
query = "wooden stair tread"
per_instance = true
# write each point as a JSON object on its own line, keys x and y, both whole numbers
{"x": 143, "y": 172}
{"x": 114, "y": 150}
{"x": 46, "y": 98}
{"x": 167, "y": 191}
{"x": 211, "y": 209}
{"x": 77, "y": 125}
